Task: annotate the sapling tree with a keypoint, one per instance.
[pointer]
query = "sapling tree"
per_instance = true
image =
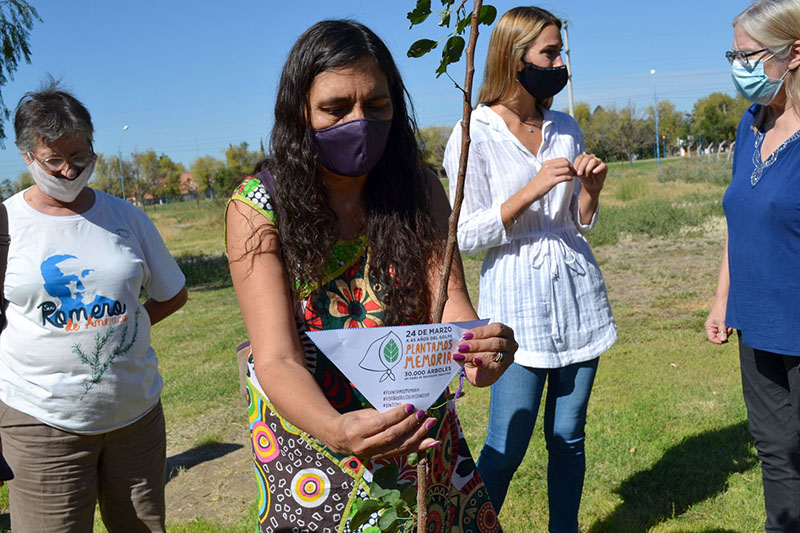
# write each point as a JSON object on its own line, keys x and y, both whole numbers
{"x": 394, "y": 501}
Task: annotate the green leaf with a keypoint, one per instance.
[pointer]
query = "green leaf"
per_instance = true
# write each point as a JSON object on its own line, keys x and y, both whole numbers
{"x": 391, "y": 352}
{"x": 451, "y": 53}
{"x": 386, "y": 477}
{"x": 372, "y": 529}
{"x": 388, "y": 519}
{"x": 454, "y": 48}
{"x": 421, "y": 47}
{"x": 413, "y": 458}
{"x": 488, "y": 14}
{"x": 409, "y": 496}
{"x": 463, "y": 23}
{"x": 393, "y": 499}
{"x": 447, "y": 3}
{"x": 445, "y": 19}
{"x": 420, "y": 12}
{"x": 366, "y": 508}
{"x": 377, "y": 492}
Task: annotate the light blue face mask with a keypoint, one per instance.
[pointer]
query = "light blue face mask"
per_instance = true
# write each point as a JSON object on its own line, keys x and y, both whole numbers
{"x": 753, "y": 84}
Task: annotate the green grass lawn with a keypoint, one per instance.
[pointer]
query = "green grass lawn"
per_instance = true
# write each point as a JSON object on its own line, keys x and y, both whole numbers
{"x": 667, "y": 443}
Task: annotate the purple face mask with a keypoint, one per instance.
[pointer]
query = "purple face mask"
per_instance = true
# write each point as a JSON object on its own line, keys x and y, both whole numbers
{"x": 354, "y": 148}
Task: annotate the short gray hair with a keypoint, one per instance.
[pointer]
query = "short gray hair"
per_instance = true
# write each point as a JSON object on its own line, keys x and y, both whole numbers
{"x": 49, "y": 114}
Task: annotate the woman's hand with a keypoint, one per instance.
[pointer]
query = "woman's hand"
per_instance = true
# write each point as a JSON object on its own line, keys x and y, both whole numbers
{"x": 368, "y": 434}
{"x": 716, "y": 330}
{"x": 552, "y": 173}
{"x": 486, "y": 352}
{"x": 591, "y": 171}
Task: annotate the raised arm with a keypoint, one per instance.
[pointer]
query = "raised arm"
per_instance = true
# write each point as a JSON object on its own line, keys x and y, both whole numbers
{"x": 260, "y": 281}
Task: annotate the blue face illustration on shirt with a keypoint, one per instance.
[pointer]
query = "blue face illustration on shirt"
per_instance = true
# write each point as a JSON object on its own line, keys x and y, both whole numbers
{"x": 70, "y": 291}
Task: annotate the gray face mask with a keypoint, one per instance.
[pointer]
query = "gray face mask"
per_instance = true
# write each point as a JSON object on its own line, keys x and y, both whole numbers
{"x": 62, "y": 189}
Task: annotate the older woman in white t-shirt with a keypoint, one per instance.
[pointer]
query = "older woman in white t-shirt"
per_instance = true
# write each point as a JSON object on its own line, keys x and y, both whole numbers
{"x": 80, "y": 411}
{"x": 531, "y": 193}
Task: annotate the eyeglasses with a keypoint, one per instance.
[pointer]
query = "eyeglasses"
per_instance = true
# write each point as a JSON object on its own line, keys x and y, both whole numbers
{"x": 741, "y": 56}
{"x": 55, "y": 164}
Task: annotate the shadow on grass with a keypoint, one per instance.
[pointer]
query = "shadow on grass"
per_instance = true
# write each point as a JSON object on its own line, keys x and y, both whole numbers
{"x": 197, "y": 455}
{"x": 696, "y": 469}
{"x": 205, "y": 271}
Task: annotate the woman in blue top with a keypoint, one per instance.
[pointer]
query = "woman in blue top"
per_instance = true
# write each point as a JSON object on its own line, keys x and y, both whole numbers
{"x": 758, "y": 289}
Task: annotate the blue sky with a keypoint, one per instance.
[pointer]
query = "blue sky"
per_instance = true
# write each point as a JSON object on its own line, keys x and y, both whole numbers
{"x": 190, "y": 78}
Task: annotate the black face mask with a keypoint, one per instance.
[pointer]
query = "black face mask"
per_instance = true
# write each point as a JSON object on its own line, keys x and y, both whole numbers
{"x": 543, "y": 82}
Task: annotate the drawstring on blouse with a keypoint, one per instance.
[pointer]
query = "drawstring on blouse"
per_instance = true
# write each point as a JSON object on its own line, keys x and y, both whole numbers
{"x": 551, "y": 248}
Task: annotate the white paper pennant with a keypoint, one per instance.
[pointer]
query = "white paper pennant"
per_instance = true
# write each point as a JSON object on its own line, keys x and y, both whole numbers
{"x": 399, "y": 364}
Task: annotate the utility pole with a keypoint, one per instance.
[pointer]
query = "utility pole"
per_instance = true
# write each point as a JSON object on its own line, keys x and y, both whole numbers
{"x": 569, "y": 68}
{"x": 655, "y": 112}
{"x": 119, "y": 160}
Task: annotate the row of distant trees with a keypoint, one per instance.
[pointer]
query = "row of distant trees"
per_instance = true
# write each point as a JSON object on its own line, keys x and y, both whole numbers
{"x": 613, "y": 133}
{"x": 150, "y": 177}
{"x": 627, "y": 133}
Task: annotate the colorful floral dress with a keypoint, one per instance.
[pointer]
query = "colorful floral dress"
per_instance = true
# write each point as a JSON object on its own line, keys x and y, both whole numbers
{"x": 304, "y": 486}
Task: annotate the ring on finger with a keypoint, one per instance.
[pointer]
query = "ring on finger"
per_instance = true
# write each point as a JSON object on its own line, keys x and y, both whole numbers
{"x": 499, "y": 357}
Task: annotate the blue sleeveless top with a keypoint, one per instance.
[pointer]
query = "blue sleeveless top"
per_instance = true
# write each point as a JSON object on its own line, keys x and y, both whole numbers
{"x": 762, "y": 208}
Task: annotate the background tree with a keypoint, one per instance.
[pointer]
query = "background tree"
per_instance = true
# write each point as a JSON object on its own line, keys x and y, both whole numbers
{"x": 597, "y": 129}
{"x": 24, "y": 180}
{"x": 144, "y": 166}
{"x": 16, "y": 20}
{"x": 106, "y": 176}
{"x": 169, "y": 175}
{"x": 239, "y": 162}
{"x": 203, "y": 170}
{"x": 716, "y": 117}
{"x": 433, "y": 141}
{"x": 671, "y": 122}
{"x": 626, "y": 132}
{"x": 6, "y": 189}
{"x": 583, "y": 115}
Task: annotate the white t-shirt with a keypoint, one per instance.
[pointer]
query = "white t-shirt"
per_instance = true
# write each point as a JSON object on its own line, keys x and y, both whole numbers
{"x": 75, "y": 351}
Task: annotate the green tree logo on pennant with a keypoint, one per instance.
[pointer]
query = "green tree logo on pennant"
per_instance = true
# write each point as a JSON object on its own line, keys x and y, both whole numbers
{"x": 382, "y": 356}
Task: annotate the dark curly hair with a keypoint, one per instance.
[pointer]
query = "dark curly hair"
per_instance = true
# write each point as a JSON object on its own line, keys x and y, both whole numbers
{"x": 400, "y": 226}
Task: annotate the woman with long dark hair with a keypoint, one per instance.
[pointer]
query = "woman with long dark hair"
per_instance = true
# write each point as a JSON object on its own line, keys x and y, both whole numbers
{"x": 345, "y": 228}
{"x": 531, "y": 193}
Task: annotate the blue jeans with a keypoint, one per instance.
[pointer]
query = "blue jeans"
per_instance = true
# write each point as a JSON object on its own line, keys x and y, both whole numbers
{"x": 512, "y": 414}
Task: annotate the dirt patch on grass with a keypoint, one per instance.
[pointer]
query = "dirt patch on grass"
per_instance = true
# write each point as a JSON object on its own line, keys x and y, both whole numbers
{"x": 210, "y": 477}
{"x": 664, "y": 279}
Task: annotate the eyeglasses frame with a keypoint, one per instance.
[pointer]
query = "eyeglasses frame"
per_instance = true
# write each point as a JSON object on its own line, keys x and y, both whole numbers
{"x": 51, "y": 168}
{"x": 742, "y": 56}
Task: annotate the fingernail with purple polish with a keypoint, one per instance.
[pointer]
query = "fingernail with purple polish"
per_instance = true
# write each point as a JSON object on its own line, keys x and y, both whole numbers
{"x": 467, "y": 336}
{"x": 434, "y": 444}
{"x": 410, "y": 408}
{"x": 420, "y": 414}
{"x": 463, "y": 347}
{"x": 478, "y": 361}
{"x": 430, "y": 423}
{"x": 459, "y": 357}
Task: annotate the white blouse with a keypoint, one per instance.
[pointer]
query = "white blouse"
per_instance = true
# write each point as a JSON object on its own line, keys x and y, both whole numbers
{"x": 539, "y": 277}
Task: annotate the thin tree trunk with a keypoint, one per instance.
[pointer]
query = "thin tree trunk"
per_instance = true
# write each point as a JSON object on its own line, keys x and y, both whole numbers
{"x": 450, "y": 250}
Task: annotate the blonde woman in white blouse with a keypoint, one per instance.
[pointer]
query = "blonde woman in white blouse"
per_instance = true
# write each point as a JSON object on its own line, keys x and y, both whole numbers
{"x": 531, "y": 193}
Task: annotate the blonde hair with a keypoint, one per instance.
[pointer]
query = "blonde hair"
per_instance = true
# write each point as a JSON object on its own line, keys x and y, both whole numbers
{"x": 776, "y": 25}
{"x": 511, "y": 37}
